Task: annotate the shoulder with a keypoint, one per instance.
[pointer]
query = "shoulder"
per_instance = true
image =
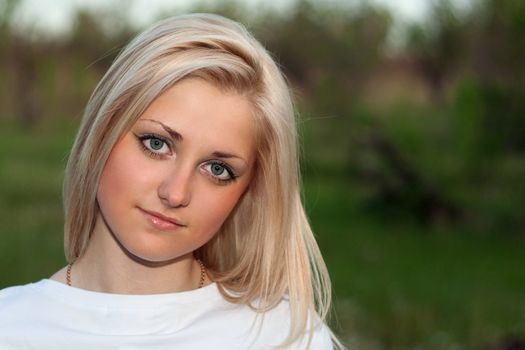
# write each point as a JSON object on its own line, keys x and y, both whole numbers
{"x": 316, "y": 336}
{"x": 272, "y": 326}
{"x": 18, "y": 300}
{"x": 20, "y": 309}
{"x": 14, "y": 295}
{"x": 321, "y": 337}
{"x": 25, "y": 305}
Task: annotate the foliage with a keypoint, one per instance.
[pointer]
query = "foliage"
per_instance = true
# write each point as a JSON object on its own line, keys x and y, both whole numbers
{"x": 396, "y": 286}
{"x": 413, "y": 162}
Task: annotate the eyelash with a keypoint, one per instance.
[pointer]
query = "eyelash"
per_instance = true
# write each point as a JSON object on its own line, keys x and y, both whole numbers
{"x": 226, "y": 167}
{"x": 144, "y": 137}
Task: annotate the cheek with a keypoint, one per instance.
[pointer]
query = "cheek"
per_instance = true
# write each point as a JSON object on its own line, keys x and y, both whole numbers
{"x": 123, "y": 173}
{"x": 114, "y": 179}
{"x": 216, "y": 208}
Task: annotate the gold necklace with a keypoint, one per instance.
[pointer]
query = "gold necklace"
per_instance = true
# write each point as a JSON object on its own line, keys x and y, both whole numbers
{"x": 199, "y": 261}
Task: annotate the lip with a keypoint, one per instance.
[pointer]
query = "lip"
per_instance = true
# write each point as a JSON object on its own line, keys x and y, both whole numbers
{"x": 161, "y": 222}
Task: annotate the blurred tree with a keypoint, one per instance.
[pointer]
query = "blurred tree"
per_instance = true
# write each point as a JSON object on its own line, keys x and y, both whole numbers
{"x": 497, "y": 29}
{"x": 236, "y": 10}
{"x": 319, "y": 44}
{"x": 437, "y": 46}
{"x": 329, "y": 54}
{"x": 402, "y": 189}
{"x": 24, "y": 61}
{"x": 19, "y": 56}
{"x": 7, "y": 8}
{"x": 98, "y": 37}
{"x": 412, "y": 158}
{"x": 497, "y": 56}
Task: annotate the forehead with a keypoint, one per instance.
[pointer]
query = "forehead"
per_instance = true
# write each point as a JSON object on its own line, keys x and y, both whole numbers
{"x": 203, "y": 113}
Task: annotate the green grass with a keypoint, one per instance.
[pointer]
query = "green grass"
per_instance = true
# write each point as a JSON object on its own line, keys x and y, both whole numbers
{"x": 399, "y": 286}
{"x": 31, "y": 173}
{"x": 396, "y": 285}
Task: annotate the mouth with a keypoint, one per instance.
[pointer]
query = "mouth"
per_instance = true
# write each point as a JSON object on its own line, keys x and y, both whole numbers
{"x": 161, "y": 222}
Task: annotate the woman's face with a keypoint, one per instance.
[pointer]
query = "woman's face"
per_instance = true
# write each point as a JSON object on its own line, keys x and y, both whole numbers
{"x": 169, "y": 183}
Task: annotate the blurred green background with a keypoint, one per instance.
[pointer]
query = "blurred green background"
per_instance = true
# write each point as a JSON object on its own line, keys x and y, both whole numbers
{"x": 413, "y": 137}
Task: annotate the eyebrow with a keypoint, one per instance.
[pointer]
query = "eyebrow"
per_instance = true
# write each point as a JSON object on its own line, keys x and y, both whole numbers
{"x": 169, "y": 130}
{"x": 226, "y": 155}
{"x": 179, "y": 137}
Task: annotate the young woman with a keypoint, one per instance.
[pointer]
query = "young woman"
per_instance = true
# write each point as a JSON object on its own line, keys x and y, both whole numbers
{"x": 184, "y": 227}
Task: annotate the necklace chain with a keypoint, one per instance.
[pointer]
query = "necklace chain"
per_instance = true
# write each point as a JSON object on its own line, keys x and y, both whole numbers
{"x": 203, "y": 272}
{"x": 199, "y": 261}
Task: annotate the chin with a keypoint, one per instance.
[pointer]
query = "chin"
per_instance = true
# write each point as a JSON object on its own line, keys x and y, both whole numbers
{"x": 150, "y": 254}
{"x": 150, "y": 259}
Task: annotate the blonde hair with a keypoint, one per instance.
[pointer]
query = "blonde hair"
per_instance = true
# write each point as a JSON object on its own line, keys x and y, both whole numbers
{"x": 265, "y": 249}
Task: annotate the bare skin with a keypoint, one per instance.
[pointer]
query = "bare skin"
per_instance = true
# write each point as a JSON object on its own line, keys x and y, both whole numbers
{"x": 166, "y": 189}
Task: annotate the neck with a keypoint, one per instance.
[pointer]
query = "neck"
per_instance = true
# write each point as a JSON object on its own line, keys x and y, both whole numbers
{"x": 106, "y": 267}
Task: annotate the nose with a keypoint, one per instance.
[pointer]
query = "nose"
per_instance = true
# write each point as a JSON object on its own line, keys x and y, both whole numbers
{"x": 175, "y": 188}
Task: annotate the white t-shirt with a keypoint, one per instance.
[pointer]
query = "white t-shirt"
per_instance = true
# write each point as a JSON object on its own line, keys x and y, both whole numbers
{"x": 51, "y": 315}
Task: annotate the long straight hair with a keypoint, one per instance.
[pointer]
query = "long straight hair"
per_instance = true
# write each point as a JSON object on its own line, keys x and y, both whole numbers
{"x": 265, "y": 250}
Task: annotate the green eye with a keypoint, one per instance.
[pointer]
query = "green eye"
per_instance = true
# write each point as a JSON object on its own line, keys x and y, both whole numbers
{"x": 156, "y": 144}
{"x": 217, "y": 169}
